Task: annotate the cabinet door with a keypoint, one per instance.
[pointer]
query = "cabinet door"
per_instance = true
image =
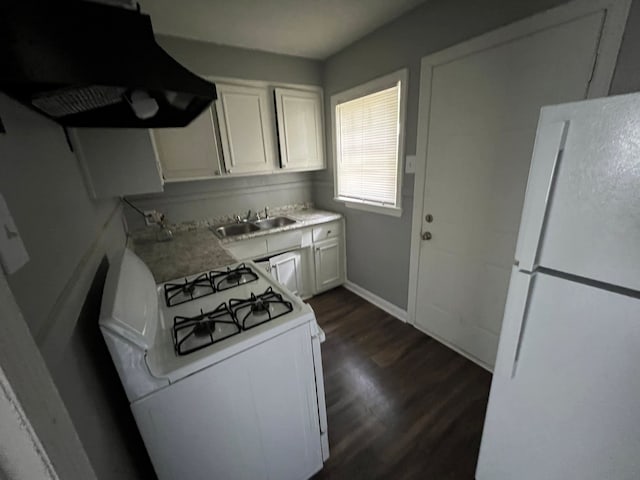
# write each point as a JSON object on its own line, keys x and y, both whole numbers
{"x": 287, "y": 270}
{"x": 191, "y": 152}
{"x": 300, "y": 131}
{"x": 329, "y": 266}
{"x": 117, "y": 161}
{"x": 246, "y": 129}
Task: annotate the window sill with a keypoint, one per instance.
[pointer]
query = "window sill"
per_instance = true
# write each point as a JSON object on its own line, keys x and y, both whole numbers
{"x": 372, "y": 208}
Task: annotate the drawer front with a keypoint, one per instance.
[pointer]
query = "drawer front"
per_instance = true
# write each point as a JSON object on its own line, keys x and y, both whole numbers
{"x": 248, "y": 249}
{"x": 284, "y": 240}
{"x": 326, "y": 230}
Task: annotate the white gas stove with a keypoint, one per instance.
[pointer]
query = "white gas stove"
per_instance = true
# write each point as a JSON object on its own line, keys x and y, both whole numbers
{"x": 226, "y": 357}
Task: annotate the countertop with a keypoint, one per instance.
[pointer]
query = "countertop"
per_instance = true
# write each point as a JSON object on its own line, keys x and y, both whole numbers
{"x": 195, "y": 248}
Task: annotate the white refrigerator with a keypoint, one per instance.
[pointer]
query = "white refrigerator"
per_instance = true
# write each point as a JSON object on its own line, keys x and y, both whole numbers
{"x": 565, "y": 396}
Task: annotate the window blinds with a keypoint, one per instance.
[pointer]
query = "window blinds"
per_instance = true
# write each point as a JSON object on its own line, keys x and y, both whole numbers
{"x": 367, "y": 131}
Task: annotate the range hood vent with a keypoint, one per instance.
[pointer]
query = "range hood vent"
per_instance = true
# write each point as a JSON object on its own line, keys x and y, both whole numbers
{"x": 85, "y": 64}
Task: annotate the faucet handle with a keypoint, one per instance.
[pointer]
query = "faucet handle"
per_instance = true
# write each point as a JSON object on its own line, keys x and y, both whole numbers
{"x": 257, "y": 215}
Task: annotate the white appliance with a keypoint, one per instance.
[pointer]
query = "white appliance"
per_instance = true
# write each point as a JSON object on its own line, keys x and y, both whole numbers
{"x": 222, "y": 369}
{"x": 565, "y": 397}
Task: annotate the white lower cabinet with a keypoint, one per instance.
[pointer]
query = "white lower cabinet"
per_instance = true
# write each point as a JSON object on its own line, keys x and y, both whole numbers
{"x": 306, "y": 261}
{"x": 209, "y": 425}
{"x": 329, "y": 264}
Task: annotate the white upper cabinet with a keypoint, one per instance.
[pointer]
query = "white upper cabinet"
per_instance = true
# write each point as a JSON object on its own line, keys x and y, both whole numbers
{"x": 246, "y": 129}
{"x": 117, "y": 161}
{"x": 300, "y": 131}
{"x": 191, "y": 152}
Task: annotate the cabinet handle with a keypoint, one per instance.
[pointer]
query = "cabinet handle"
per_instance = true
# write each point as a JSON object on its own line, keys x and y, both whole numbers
{"x": 328, "y": 232}
{"x": 229, "y": 170}
{"x": 217, "y": 172}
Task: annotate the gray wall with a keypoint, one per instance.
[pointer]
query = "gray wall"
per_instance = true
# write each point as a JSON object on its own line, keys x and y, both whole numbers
{"x": 378, "y": 245}
{"x": 198, "y": 200}
{"x": 205, "y": 199}
{"x": 69, "y": 238}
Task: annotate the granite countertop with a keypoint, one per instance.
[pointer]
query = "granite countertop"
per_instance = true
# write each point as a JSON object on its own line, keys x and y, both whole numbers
{"x": 189, "y": 252}
{"x": 195, "y": 248}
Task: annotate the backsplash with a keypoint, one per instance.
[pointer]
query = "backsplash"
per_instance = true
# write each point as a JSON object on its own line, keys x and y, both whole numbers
{"x": 184, "y": 202}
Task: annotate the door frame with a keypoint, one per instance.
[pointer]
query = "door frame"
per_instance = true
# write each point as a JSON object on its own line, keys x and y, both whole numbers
{"x": 616, "y": 13}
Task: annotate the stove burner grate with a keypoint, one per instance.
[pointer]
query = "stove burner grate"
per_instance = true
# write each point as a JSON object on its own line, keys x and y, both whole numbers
{"x": 191, "y": 334}
{"x": 232, "y": 277}
{"x": 177, "y": 293}
{"x": 264, "y": 307}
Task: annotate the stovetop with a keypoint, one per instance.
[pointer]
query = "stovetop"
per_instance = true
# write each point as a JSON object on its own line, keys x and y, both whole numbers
{"x": 219, "y": 312}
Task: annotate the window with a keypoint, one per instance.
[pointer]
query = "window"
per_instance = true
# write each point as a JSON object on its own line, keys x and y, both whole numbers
{"x": 368, "y": 129}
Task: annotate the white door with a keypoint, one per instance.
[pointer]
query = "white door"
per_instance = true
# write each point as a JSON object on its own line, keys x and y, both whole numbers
{"x": 191, "y": 152}
{"x": 565, "y": 397}
{"x": 246, "y": 128}
{"x": 481, "y": 128}
{"x": 582, "y": 209}
{"x": 299, "y": 114}
{"x": 287, "y": 270}
{"x": 251, "y": 416}
{"x": 328, "y": 264}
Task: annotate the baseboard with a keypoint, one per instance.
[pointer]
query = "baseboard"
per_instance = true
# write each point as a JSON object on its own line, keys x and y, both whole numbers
{"x": 379, "y": 302}
{"x": 456, "y": 349}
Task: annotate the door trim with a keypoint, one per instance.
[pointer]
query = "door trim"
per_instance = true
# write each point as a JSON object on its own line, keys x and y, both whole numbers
{"x": 616, "y": 12}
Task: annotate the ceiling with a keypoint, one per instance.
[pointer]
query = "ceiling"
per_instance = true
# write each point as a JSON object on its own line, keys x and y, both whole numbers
{"x": 306, "y": 28}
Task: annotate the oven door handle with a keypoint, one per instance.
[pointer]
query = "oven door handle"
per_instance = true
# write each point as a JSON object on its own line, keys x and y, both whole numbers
{"x": 319, "y": 378}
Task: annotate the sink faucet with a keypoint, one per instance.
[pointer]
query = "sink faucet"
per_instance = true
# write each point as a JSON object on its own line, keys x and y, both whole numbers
{"x": 266, "y": 211}
{"x": 238, "y": 219}
{"x": 246, "y": 219}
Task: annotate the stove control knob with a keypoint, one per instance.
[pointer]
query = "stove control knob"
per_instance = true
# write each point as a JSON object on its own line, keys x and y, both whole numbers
{"x": 426, "y": 236}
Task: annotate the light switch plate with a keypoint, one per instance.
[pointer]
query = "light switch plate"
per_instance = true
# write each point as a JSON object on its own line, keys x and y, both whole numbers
{"x": 410, "y": 164}
{"x": 13, "y": 255}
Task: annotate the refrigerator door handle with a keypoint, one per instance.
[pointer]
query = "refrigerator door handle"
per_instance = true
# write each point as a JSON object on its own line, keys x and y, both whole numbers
{"x": 547, "y": 153}
{"x": 514, "y": 323}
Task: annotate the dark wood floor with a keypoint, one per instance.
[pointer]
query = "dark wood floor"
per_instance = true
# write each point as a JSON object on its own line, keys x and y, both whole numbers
{"x": 400, "y": 404}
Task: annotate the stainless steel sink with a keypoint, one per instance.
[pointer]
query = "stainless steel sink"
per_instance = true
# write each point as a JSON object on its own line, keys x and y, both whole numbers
{"x": 241, "y": 228}
{"x": 274, "y": 222}
{"x": 235, "y": 229}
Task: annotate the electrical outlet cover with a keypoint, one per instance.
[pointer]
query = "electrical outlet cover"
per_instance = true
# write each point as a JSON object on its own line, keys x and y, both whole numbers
{"x": 13, "y": 255}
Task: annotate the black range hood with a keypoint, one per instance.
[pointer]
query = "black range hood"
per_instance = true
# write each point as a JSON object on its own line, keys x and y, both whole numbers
{"x": 85, "y": 64}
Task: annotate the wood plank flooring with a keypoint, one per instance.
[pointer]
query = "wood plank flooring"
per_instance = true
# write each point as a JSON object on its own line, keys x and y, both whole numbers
{"x": 400, "y": 405}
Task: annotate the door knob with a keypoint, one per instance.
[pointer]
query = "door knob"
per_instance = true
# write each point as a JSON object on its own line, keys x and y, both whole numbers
{"x": 426, "y": 236}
